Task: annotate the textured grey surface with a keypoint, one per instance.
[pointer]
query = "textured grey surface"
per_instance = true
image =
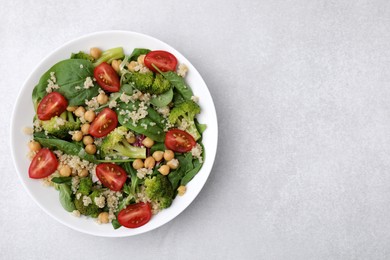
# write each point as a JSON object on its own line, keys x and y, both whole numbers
{"x": 303, "y": 100}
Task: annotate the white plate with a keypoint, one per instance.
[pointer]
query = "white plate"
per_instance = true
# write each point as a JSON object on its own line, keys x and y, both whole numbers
{"x": 47, "y": 197}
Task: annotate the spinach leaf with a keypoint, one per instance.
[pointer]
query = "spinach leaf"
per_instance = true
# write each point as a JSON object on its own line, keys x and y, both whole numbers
{"x": 152, "y": 121}
{"x": 66, "y": 197}
{"x": 178, "y": 82}
{"x": 191, "y": 173}
{"x": 196, "y": 168}
{"x": 115, "y": 224}
{"x": 69, "y": 74}
{"x": 163, "y": 99}
{"x": 64, "y": 146}
{"x": 185, "y": 165}
{"x": 137, "y": 52}
{"x": 61, "y": 180}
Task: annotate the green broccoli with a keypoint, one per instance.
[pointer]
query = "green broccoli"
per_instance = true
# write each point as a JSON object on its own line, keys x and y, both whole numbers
{"x": 183, "y": 115}
{"x": 160, "y": 85}
{"x": 159, "y": 189}
{"x": 60, "y": 126}
{"x": 82, "y": 55}
{"x": 110, "y": 55}
{"x": 142, "y": 81}
{"x": 146, "y": 82}
{"x": 85, "y": 186}
{"x": 115, "y": 144}
{"x": 90, "y": 210}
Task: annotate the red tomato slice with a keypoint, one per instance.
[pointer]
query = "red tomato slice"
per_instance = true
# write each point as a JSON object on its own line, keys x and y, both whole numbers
{"x": 179, "y": 141}
{"x": 111, "y": 176}
{"x": 104, "y": 123}
{"x": 43, "y": 164}
{"x": 53, "y": 104}
{"x": 107, "y": 77}
{"x": 163, "y": 60}
{"x": 135, "y": 215}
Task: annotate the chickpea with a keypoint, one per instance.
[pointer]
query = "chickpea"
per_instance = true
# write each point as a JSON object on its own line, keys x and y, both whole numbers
{"x": 131, "y": 66}
{"x": 34, "y": 146}
{"x": 164, "y": 169}
{"x": 90, "y": 148}
{"x": 138, "y": 164}
{"x": 87, "y": 140}
{"x": 95, "y": 52}
{"x": 80, "y": 111}
{"x": 131, "y": 139}
{"x": 85, "y": 128}
{"x": 141, "y": 59}
{"x": 103, "y": 218}
{"x": 71, "y": 109}
{"x": 149, "y": 162}
{"x": 102, "y": 98}
{"x": 83, "y": 173}
{"x": 169, "y": 155}
{"x": 115, "y": 64}
{"x": 173, "y": 164}
{"x": 77, "y": 136}
{"x": 89, "y": 115}
{"x": 158, "y": 155}
{"x": 181, "y": 190}
{"x": 65, "y": 171}
{"x": 147, "y": 142}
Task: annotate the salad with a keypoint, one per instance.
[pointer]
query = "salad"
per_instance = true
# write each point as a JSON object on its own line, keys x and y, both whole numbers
{"x": 117, "y": 135}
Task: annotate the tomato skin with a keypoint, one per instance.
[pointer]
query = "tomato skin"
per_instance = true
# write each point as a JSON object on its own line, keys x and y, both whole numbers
{"x": 43, "y": 164}
{"x": 163, "y": 60}
{"x": 104, "y": 123}
{"x": 179, "y": 141}
{"x": 111, "y": 176}
{"x": 107, "y": 77}
{"x": 135, "y": 215}
{"x": 53, "y": 104}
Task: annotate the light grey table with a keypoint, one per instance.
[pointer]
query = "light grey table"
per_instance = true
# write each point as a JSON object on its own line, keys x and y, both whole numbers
{"x": 302, "y": 91}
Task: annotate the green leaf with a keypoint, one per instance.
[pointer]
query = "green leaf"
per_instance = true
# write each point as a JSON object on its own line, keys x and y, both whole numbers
{"x": 185, "y": 165}
{"x": 115, "y": 224}
{"x": 65, "y": 196}
{"x": 178, "y": 82}
{"x": 152, "y": 121}
{"x": 137, "y": 52}
{"x": 60, "y": 180}
{"x": 162, "y": 99}
{"x": 69, "y": 74}
{"x": 70, "y": 148}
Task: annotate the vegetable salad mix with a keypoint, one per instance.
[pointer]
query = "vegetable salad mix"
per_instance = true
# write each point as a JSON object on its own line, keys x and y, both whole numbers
{"x": 116, "y": 134}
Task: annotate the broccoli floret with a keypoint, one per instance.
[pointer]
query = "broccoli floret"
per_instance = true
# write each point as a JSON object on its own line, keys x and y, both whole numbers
{"x": 115, "y": 144}
{"x": 183, "y": 115}
{"x": 60, "y": 126}
{"x": 160, "y": 85}
{"x": 142, "y": 81}
{"x": 159, "y": 189}
{"x": 110, "y": 55}
{"x": 81, "y": 55}
{"x": 85, "y": 186}
{"x": 90, "y": 210}
{"x": 146, "y": 82}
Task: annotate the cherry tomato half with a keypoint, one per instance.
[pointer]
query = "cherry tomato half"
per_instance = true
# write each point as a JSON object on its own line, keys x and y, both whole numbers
{"x": 53, "y": 104}
{"x": 111, "y": 176}
{"x": 135, "y": 215}
{"x": 179, "y": 141}
{"x": 43, "y": 164}
{"x": 104, "y": 123}
{"x": 163, "y": 60}
{"x": 107, "y": 77}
